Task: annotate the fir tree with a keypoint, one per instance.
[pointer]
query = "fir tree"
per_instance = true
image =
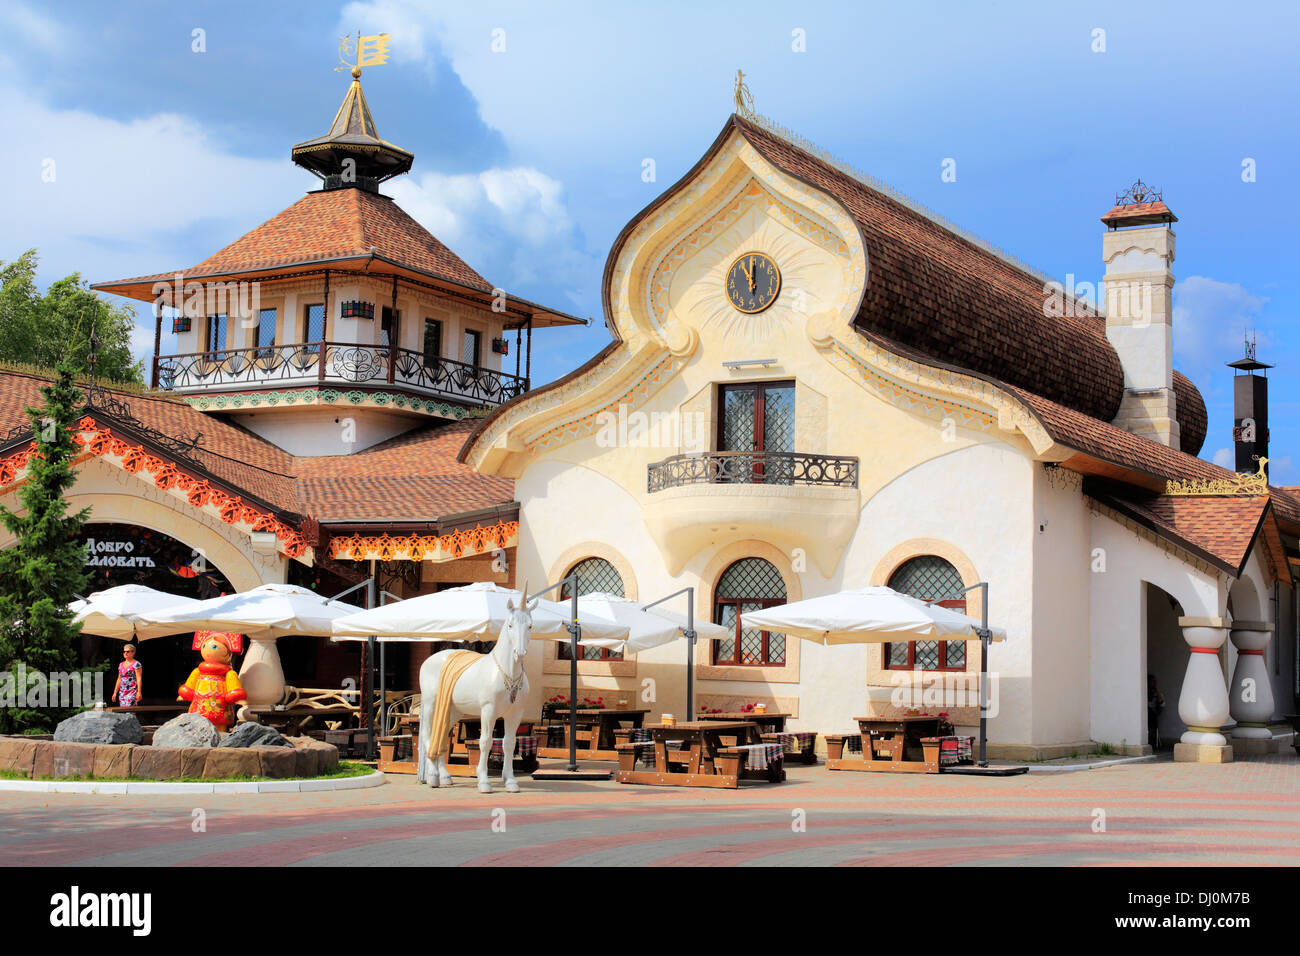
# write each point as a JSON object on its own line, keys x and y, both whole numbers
{"x": 43, "y": 572}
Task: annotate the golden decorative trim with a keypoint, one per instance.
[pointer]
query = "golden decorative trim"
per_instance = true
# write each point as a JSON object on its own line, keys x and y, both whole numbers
{"x": 1237, "y": 485}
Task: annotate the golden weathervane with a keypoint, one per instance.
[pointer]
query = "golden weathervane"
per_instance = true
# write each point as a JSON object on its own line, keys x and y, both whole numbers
{"x": 744, "y": 99}
{"x": 366, "y": 51}
{"x": 1256, "y": 484}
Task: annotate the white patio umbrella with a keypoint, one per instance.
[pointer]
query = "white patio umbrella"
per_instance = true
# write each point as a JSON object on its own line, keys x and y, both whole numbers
{"x": 267, "y": 611}
{"x": 115, "y": 612}
{"x": 881, "y": 615}
{"x": 870, "y": 615}
{"x": 646, "y": 628}
{"x": 263, "y": 614}
{"x": 472, "y": 612}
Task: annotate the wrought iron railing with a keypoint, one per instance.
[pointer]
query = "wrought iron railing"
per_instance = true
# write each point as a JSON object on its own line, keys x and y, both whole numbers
{"x": 336, "y": 363}
{"x": 753, "y": 467}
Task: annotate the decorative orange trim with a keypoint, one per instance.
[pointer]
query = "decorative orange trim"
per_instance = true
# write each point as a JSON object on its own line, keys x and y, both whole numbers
{"x": 415, "y": 547}
{"x": 1205, "y": 650}
{"x": 100, "y": 442}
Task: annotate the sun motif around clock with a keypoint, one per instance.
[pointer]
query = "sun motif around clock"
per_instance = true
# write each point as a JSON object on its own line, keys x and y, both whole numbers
{"x": 753, "y": 282}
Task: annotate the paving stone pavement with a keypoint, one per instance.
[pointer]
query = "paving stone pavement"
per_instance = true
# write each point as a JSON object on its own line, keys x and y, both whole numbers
{"x": 1160, "y": 813}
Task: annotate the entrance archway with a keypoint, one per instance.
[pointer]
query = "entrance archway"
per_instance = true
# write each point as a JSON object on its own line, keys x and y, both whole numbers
{"x": 1166, "y": 662}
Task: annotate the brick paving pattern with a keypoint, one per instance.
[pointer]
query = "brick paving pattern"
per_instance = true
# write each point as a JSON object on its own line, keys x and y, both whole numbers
{"x": 1161, "y": 813}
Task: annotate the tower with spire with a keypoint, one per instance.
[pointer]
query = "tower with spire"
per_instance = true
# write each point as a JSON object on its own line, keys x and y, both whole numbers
{"x": 340, "y": 322}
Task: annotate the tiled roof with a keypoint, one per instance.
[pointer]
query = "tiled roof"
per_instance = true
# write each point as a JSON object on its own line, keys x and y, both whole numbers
{"x": 1222, "y": 528}
{"x": 338, "y": 224}
{"x": 413, "y": 477}
{"x": 332, "y": 225}
{"x": 1139, "y": 214}
{"x": 941, "y": 294}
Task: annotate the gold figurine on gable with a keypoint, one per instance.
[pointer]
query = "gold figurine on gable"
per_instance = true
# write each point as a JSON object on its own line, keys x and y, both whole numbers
{"x": 366, "y": 51}
{"x": 744, "y": 99}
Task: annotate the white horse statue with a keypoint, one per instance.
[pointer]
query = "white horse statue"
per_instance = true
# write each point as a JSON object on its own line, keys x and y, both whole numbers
{"x": 492, "y": 687}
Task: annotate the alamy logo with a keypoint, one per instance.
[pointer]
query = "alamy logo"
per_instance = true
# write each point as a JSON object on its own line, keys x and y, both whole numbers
{"x": 75, "y": 909}
{"x": 32, "y": 690}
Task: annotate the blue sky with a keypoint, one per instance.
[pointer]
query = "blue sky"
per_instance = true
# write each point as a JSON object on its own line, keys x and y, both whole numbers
{"x": 529, "y": 160}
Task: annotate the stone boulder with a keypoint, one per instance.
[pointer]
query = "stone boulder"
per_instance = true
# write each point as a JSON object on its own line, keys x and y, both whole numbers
{"x": 187, "y": 730}
{"x": 99, "y": 727}
{"x": 254, "y": 735}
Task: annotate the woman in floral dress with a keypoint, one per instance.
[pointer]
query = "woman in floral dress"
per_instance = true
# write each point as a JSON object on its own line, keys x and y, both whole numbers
{"x": 130, "y": 683}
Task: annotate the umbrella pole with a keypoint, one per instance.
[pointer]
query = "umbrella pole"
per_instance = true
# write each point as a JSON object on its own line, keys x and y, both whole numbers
{"x": 984, "y": 671}
{"x": 689, "y": 633}
{"x": 575, "y": 631}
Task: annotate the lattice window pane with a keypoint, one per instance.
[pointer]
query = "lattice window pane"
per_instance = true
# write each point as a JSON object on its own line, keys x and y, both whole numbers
{"x": 930, "y": 578}
{"x": 726, "y": 649}
{"x": 897, "y": 655}
{"x": 594, "y": 575}
{"x": 738, "y": 420}
{"x": 315, "y": 323}
{"x": 752, "y": 578}
{"x": 956, "y": 653}
{"x": 266, "y": 327}
{"x": 927, "y": 655}
{"x": 778, "y": 419}
{"x": 776, "y": 648}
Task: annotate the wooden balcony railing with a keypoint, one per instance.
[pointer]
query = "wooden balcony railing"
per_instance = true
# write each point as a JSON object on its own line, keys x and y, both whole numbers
{"x": 753, "y": 467}
{"x": 336, "y": 363}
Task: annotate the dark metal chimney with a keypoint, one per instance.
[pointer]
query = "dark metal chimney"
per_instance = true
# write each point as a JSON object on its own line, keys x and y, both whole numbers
{"x": 1249, "y": 411}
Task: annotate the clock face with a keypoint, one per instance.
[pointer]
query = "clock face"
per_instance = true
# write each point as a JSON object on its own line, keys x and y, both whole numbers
{"x": 753, "y": 282}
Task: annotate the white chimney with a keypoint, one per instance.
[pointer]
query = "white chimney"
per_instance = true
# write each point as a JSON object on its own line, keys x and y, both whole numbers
{"x": 1138, "y": 250}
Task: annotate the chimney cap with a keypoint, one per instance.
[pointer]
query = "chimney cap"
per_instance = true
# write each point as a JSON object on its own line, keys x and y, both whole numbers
{"x": 1139, "y": 205}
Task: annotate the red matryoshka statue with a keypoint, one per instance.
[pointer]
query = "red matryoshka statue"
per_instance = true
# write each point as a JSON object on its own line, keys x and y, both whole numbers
{"x": 214, "y": 685}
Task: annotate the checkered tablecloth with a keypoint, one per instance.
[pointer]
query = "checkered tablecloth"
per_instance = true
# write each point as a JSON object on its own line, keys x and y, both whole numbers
{"x": 760, "y": 756}
{"x": 640, "y": 735}
{"x": 524, "y": 747}
{"x": 795, "y": 743}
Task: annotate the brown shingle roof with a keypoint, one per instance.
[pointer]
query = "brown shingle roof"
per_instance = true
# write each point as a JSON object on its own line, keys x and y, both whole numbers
{"x": 1139, "y": 214}
{"x": 328, "y": 226}
{"x": 340, "y": 224}
{"x": 941, "y": 294}
{"x": 1221, "y": 529}
{"x": 413, "y": 477}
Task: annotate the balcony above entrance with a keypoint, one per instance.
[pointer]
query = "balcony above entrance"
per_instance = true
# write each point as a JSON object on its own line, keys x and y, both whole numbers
{"x": 793, "y": 500}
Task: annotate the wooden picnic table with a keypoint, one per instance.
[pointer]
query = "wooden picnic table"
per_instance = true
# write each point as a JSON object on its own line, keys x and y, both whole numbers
{"x": 770, "y": 724}
{"x": 600, "y": 730}
{"x": 705, "y": 753}
{"x": 889, "y": 743}
{"x": 397, "y": 753}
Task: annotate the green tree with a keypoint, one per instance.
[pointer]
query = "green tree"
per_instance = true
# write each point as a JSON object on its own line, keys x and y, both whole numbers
{"x": 43, "y": 572}
{"x": 47, "y": 331}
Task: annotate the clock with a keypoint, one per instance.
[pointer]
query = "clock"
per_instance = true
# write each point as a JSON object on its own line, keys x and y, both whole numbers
{"x": 753, "y": 282}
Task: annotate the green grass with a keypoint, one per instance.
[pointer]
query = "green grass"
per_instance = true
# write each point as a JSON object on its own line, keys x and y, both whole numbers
{"x": 344, "y": 769}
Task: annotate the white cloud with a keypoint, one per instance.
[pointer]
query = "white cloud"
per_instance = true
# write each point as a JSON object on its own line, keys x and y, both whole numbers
{"x": 511, "y": 225}
{"x": 30, "y": 27}
{"x": 1210, "y": 318}
{"x": 1224, "y": 458}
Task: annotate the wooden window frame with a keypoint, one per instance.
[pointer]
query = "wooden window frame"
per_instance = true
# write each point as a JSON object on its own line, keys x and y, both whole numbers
{"x": 718, "y": 604}
{"x": 944, "y": 666}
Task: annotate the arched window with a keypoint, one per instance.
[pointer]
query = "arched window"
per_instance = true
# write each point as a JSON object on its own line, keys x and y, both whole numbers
{"x": 929, "y": 578}
{"x": 748, "y": 585}
{"x": 594, "y": 574}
